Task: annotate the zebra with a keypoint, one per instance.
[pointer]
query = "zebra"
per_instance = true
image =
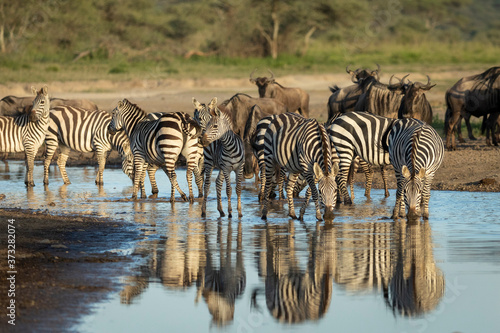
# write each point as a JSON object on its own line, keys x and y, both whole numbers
{"x": 156, "y": 143}
{"x": 416, "y": 151}
{"x": 26, "y": 132}
{"x": 223, "y": 150}
{"x": 301, "y": 146}
{"x": 362, "y": 134}
{"x": 82, "y": 130}
{"x": 192, "y": 151}
{"x": 357, "y": 163}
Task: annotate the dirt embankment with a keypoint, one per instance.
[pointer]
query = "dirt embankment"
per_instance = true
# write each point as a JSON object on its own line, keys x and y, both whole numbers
{"x": 63, "y": 265}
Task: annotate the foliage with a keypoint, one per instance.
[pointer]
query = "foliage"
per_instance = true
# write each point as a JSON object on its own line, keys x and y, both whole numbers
{"x": 123, "y": 36}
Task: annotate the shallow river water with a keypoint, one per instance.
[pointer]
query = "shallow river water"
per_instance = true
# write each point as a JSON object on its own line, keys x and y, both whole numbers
{"x": 363, "y": 272}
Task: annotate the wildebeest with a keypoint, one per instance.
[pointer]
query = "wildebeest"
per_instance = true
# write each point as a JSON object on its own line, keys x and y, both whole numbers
{"x": 13, "y": 106}
{"x": 296, "y": 99}
{"x": 378, "y": 99}
{"x": 414, "y": 104}
{"x": 344, "y": 99}
{"x": 240, "y": 105}
{"x": 475, "y": 95}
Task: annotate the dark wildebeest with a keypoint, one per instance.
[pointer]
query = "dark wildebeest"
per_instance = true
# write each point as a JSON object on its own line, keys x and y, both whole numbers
{"x": 344, "y": 99}
{"x": 295, "y": 99}
{"x": 476, "y": 95}
{"x": 12, "y": 105}
{"x": 414, "y": 104}
{"x": 378, "y": 99}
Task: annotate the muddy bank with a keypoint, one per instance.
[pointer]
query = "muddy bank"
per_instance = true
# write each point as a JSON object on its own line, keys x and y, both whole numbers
{"x": 64, "y": 265}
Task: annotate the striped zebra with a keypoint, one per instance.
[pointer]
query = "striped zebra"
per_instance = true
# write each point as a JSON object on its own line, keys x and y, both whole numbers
{"x": 82, "y": 130}
{"x": 224, "y": 150}
{"x": 156, "y": 143}
{"x": 416, "y": 151}
{"x": 192, "y": 151}
{"x": 301, "y": 146}
{"x": 360, "y": 134}
{"x": 27, "y": 132}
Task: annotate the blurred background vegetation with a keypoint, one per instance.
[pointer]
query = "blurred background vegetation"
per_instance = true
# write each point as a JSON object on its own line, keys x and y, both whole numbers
{"x": 227, "y": 37}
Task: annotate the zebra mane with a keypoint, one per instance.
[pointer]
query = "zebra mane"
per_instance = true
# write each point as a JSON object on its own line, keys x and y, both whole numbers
{"x": 129, "y": 105}
{"x": 414, "y": 141}
{"x": 326, "y": 148}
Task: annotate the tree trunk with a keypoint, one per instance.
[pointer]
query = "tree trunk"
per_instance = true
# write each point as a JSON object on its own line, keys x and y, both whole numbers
{"x": 307, "y": 39}
{"x": 2, "y": 39}
{"x": 274, "y": 42}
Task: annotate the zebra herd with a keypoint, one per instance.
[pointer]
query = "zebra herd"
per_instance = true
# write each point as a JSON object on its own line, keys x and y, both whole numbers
{"x": 288, "y": 147}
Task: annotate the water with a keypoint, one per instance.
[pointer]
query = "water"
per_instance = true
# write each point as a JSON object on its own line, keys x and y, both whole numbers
{"x": 363, "y": 272}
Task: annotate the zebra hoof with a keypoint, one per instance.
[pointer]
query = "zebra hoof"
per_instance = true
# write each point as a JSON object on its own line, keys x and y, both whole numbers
{"x": 293, "y": 216}
{"x": 203, "y": 214}
{"x": 240, "y": 214}
{"x": 30, "y": 184}
{"x": 222, "y": 214}
{"x": 229, "y": 215}
{"x": 191, "y": 199}
{"x": 184, "y": 197}
{"x": 153, "y": 196}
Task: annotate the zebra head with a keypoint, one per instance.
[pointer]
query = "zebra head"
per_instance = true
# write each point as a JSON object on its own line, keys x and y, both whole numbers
{"x": 413, "y": 184}
{"x": 201, "y": 114}
{"x": 116, "y": 123}
{"x": 41, "y": 104}
{"x": 327, "y": 188}
{"x": 219, "y": 124}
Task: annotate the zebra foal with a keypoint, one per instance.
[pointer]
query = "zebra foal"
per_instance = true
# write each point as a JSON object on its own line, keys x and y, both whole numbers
{"x": 224, "y": 150}
{"x": 154, "y": 143}
{"x": 301, "y": 146}
{"x": 416, "y": 151}
{"x": 26, "y": 132}
{"x": 82, "y": 130}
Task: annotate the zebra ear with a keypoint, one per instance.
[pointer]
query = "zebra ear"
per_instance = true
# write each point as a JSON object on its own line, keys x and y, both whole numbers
{"x": 196, "y": 103}
{"x": 405, "y": 171}
{"x": 335, "y": 169}
{"x": 45, "y": 90}
{"x": 421, "y": 173}
{"x": 33, "y": 90}
{"x": 213, "y": 103}
{"x": 120, "y": 104}
{"x": 318, "y": 173}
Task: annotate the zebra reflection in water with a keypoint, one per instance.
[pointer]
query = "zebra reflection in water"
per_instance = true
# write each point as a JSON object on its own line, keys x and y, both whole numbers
{"x": 221, "y": 284}
{"x": 293, "y": 294}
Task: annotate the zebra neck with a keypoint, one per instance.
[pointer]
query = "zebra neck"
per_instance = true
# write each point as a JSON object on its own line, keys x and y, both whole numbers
{"x": 228, "y": 138}
{"x": 132, "y": 120}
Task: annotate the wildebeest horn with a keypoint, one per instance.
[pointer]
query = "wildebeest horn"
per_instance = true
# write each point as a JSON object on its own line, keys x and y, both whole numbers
{"x": 390, "y": 80}
{"x": 377, "y": 71}
{"x": 251, "y": 75}
{"x": 348, "y": 71}
{"x": 404, "y": 77}
{"x": 428, "y": 85}
{"x": 272, "y": 74}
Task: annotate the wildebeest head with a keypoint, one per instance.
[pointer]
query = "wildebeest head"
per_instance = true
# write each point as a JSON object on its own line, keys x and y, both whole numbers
{"x": 262, "y": 82}
{"x": 361, "y": 74}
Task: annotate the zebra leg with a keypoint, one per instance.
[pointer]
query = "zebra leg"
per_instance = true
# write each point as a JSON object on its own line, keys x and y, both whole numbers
{"x": 101, "y": 160}
{"x": 140, "y": 167}
{"x": 267, "y": 176}
{"x": 189, "y": 177}
{"x": 368, "y": 170}
{"x": 61, "y": 162}
{"x": 426, "y": 195}
{"x": 206, "y": 190}
{"x": 344, "y": 169}
{"x": 239, "y": 179}
{"x": 224, "y": 176}
{"x": 281, "y": 182}
{"x": 50, "y": 148}
{"x": 262, "y": 168}
{"x": 384, "y": 179}
{"x": 292, "y": 179}
{"x": 30, "y": 164}
{"x": 152, "y": 179}
{"x": 198, "y": 178}
{"x": 172, "y": 176}
{"x": 352, "y": 172}
{"x": 306, "y": 202}
{"x": 315, "y": 196}
{"x": 399, "y": 198}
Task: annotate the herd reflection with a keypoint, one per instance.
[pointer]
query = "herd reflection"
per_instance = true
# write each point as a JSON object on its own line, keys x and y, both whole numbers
{"x": 300, "y": 267}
